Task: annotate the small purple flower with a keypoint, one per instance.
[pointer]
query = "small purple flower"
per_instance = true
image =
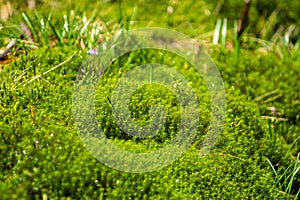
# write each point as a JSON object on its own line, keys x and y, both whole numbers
{"x": 93, "y": 52}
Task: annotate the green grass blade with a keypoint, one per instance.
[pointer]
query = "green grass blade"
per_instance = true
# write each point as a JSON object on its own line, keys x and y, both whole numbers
{"x": 224, "y": 32}
{"x": 30, "y": 26}
{"x": 56, "y": 33}
{"x": 293, "y": 174}
{"x": 283, "y": 175}
{"x": 84, "y": 27}
{"x": 297, "y": 195}
{"x": 271, "y": 22}
{"x": 291, "y": 146}
{"x": 236, "y": 41}
{"x": 132, "y": 18}
{"x": 42, "y": 28}
{"x": 271, "y": 165}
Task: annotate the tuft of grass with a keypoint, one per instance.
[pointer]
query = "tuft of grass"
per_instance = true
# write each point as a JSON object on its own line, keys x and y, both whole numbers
{"x": 76, "y": 29}
{"x": 286, "y": 178}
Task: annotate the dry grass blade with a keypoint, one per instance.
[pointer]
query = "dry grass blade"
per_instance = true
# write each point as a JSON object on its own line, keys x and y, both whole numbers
{"x": 273, "y": 98}
{"x": 275, "y": 118}
{"x": 44, "y": 73}
{"x": 266, "y": 95}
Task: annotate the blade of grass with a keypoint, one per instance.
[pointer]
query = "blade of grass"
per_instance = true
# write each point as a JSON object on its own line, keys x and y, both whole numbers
{"x": 272, "y": 167}
{"x": 272, "y": 98}
{"x": 132, "y": 18}
{"x": 224, "y": 32}
{"x": 218, "y": 7}
{"x": 277, "y": 34}
{"x": 84, "y": 28}
{"x": 288, "y": 151}
{"x": 266, "y": 95}
{"x": 42, "y": 28}
{"x": 84, "y": 31}
{"x": 271, "y": 22}
{"x": 293, "y": 174}
{"x": 217, "y": 32}
{"x": 66, "y": 28}
{"x": 236, "y": 41}
{"x": 44, "y": 73}
{"x": 30, "y": 26}
{"x": 120, "y": 17}
{"x": 297, "y": 44}
{"x": 56, "y": 33}
{"x": 279, "y": 178}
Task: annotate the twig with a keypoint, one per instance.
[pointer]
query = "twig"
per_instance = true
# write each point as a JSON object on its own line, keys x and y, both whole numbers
{"x": 244, "y": 19}
{"x": 8, "y": 48}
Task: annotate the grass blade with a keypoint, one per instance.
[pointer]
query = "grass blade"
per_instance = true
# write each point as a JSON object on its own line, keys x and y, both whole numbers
{"x": 224, "y": 32}
{"x": 236, "y": 41}
{"x": 293, "y": 174}
{"x": 56, "y": 33}
{"x": 271, "y": 165}
{"x": 291, "y": 146}
{"x": 44, "y": 73}
{"x": 217, "y": 32}
{"x": 42, "y": 28}
{"x": 30, "y": 26}
{"x": 132, "y": 18}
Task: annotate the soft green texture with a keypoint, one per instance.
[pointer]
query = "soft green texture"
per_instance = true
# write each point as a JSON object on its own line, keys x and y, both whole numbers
{"x": 43, "y": 157}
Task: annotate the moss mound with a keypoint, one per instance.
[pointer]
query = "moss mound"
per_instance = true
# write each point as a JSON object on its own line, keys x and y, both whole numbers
{"x": 45, "y": 158}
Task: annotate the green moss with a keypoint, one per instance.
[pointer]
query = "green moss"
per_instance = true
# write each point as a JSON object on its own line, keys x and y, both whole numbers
{"x": 43, "y": 157}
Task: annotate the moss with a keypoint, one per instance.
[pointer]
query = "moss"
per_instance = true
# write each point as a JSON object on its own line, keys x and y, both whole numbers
{"x": 43, "y": 156}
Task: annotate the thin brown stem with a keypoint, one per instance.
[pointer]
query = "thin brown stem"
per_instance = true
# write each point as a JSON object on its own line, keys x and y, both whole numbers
{"x": 244, "y": 19}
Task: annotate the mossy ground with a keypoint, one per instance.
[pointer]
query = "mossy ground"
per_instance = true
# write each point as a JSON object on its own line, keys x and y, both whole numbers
{"x": 43, "y": 157}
